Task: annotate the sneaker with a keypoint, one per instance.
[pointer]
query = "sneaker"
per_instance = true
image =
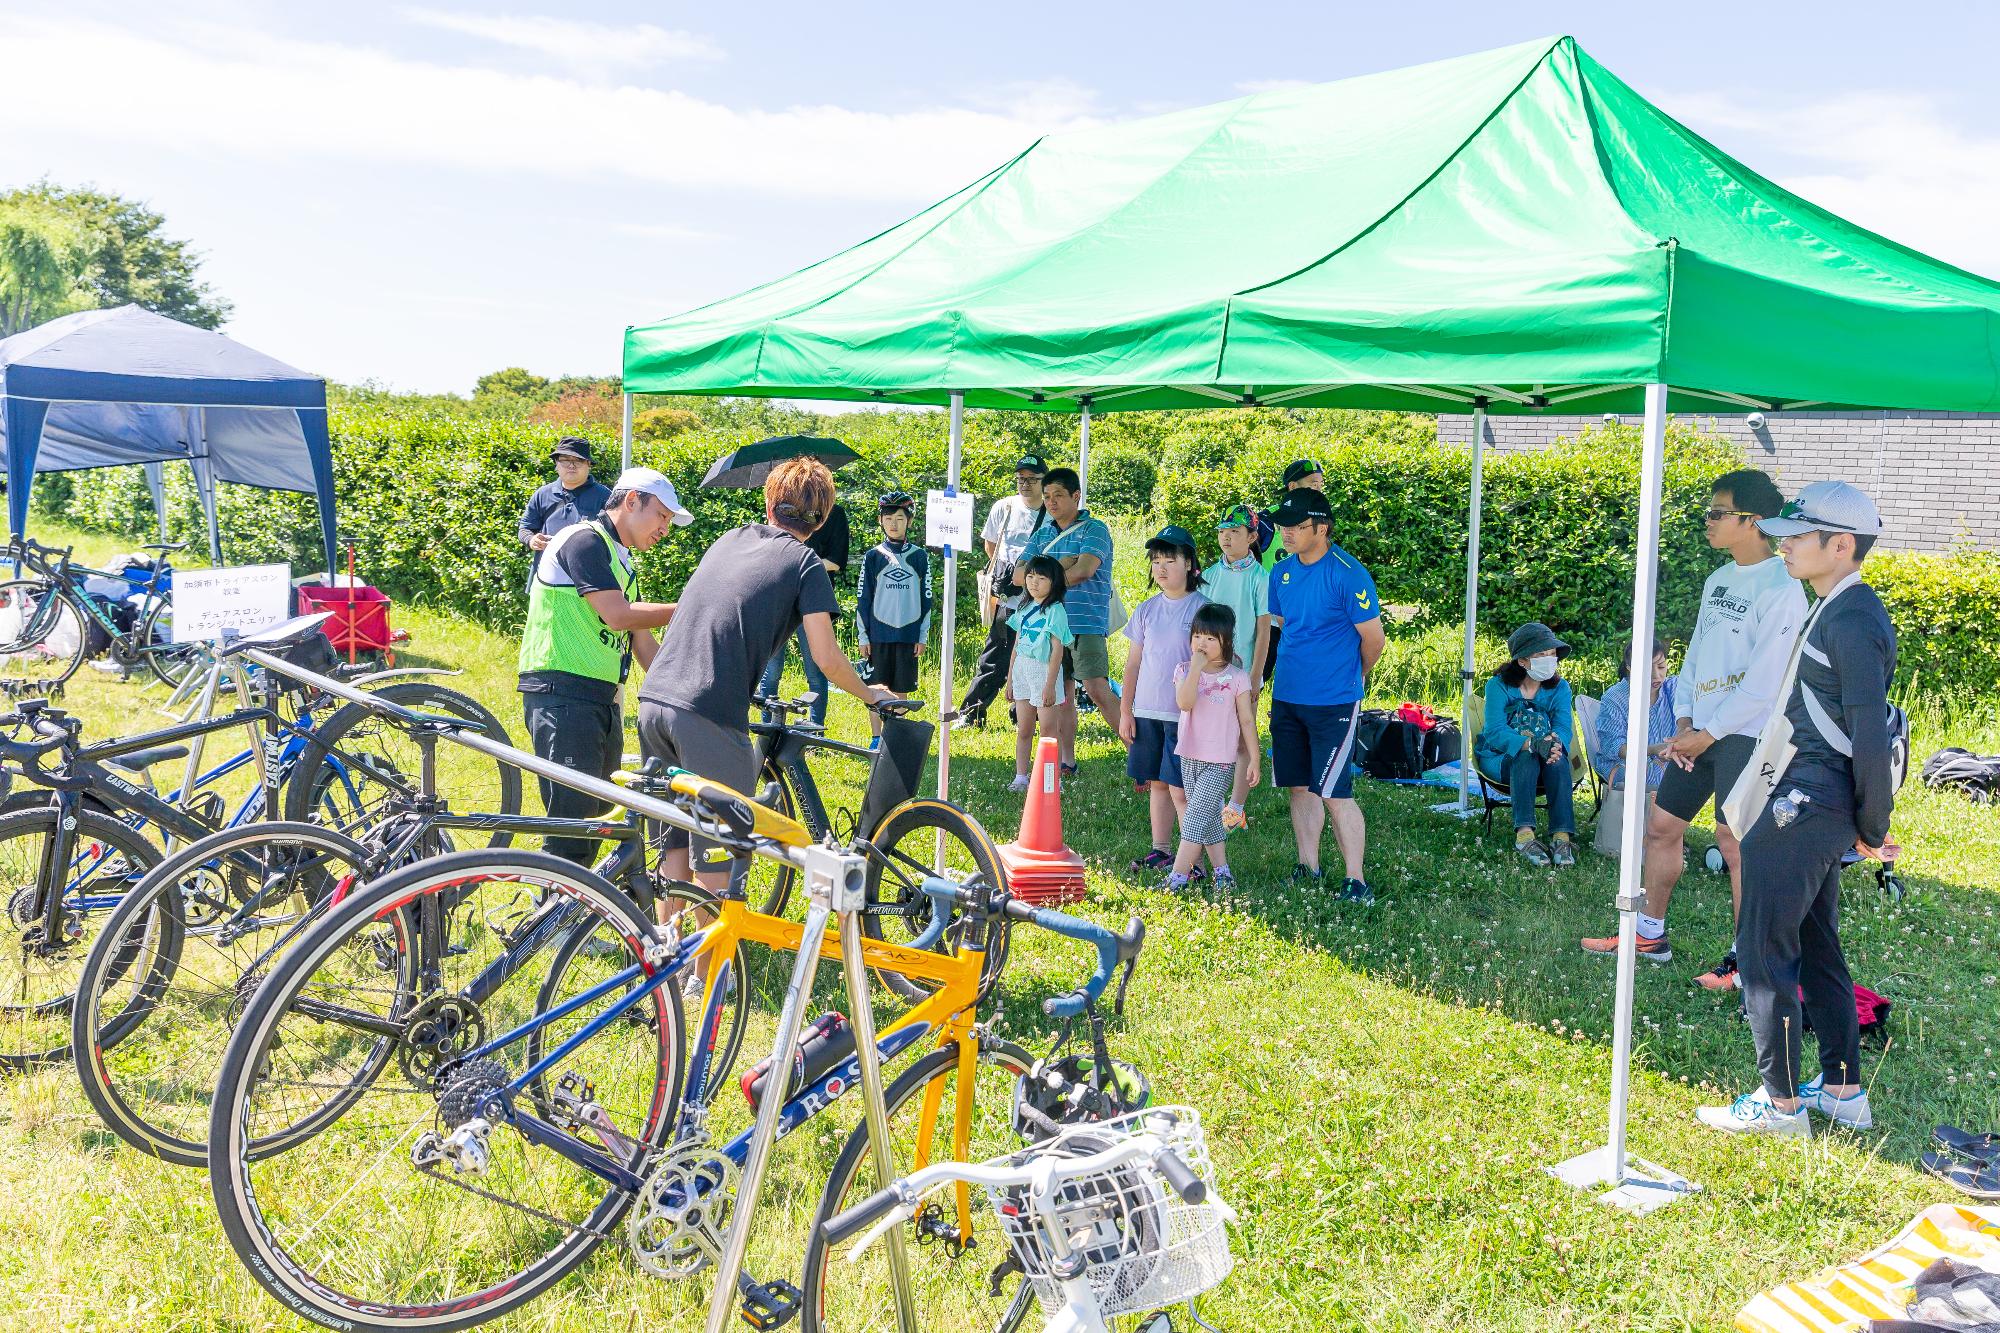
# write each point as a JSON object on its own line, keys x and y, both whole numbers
{"x": 1020, "y": 782}
{"x": 1357, "y": 892}
{"x": 1301, "y": 875}
{"x": 874, "y": 744}
{"x": 1176, "y": 883}
{"x": 1722, "y": 976}
{"x": 1563, "y": 852}
{"x": 1658, "y": 950}
{"x": 1196, "y": 873}
{"x": 1223, "y": 881}
{"x": 1234, "y": 818}
{"x": 1153, "y": 860}
{"x": 1533, "y": 852}
{"x": 1852, "y": 1111}
{"x": 1069, "y": 770}
{"x": 1752, "y": 1113}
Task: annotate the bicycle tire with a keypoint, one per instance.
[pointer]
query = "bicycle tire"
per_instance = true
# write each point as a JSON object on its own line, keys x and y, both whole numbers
{"x": 897, "y": 911}
{"x": 731, "y": 1021}
{"x": 33, "y": 1010}
{"x": 316, "y": 792}
{"x": 406, "y": 1227}
{"x": 40, "y": 627}
{"x": 147, "y": 1060}
{"x": 169, "y": 662}
{"x": 950, "y": 1289}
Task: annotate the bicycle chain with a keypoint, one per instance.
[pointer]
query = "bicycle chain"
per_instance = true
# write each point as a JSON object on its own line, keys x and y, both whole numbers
{"x": 436, "y": 1174}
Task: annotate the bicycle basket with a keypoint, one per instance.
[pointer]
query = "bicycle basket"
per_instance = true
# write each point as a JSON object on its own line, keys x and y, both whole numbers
{"x": 1142, "y": 1245}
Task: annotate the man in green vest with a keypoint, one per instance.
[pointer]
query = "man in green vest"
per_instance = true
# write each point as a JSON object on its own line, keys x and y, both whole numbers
{"x": 584, "y": 629}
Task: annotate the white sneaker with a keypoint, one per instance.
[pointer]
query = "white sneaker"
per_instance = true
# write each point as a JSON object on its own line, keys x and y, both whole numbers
{"x": 1753, "y": 1113}
{"x": 1852, "y": 1111}
{"x": 1020, "y": 782}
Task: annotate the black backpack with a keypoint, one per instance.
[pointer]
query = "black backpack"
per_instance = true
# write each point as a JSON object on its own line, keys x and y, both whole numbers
{"x": 1978, "y": 776}
{"x": 1388, "y": 747}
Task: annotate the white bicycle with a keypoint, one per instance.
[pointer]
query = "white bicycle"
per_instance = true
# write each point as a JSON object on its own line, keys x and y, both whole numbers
{"x": 1118, "y": 1217}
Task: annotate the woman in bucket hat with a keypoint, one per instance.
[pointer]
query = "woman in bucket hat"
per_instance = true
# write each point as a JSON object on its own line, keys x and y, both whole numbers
{"x": 1526, "y": 741}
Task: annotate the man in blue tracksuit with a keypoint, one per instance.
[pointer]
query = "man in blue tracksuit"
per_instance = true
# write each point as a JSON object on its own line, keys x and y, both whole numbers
{"x": 1820, "y": 785}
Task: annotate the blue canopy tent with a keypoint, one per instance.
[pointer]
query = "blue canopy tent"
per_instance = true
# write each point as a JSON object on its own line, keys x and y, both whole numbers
{"x": 108, "y": 387}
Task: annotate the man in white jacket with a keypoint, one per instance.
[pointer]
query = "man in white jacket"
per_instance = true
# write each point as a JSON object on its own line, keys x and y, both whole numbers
{"x": 1751, "y": 610}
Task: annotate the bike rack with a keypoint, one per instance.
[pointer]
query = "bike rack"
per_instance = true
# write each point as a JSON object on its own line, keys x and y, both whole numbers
{"x": 836, "y": 882}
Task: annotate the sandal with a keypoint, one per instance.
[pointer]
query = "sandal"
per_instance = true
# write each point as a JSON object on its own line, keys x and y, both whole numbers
{"x": 1971, "y": 1147}
{"x": 1979, "y": 1179}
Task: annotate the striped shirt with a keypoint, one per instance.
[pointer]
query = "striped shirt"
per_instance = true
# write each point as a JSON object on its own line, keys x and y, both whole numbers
{"x": 1088, "y": 602}
{"x": 1611, "y": 720}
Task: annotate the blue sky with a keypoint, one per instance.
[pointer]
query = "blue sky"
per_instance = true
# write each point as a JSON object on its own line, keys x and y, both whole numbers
{"x": 416, "y": 193}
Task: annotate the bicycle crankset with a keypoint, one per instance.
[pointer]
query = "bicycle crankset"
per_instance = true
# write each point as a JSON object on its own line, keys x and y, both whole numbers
{"x": 682, "y": 1216}
{"x": 439, "y": 1031}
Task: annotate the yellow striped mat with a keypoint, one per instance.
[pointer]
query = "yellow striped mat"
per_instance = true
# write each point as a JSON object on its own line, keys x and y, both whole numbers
{"x": 1877, "y": 1285}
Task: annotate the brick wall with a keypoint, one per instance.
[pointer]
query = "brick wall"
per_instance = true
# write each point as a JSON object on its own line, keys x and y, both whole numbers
{"x": 1936, "y": 475}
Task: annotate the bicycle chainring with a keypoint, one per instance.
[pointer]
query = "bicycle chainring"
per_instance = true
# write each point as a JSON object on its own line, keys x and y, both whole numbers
{"x": 681, "y": 1218}
{"x": 437, "y": 1033}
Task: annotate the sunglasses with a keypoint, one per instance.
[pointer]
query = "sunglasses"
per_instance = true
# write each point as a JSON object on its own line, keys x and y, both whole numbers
{"x": 1794, "y": 510}
{"x": 1717, "y": 515}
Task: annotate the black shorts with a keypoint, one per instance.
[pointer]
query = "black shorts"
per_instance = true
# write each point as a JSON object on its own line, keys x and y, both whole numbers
{"x": 1683, "y": 792}
{"x": 893, "y": 666}
{"x": 1312, "y": 746}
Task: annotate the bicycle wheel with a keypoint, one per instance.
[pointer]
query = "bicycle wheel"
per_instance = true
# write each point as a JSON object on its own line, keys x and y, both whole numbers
{"x": 168, "y": 976}
{"x": 578, "y": 965}
{"x": 362, "y": 1225}
{"x": 770, "y": 881}
{"x": 169, "y": 662}
{"x": 42, "y": 633}
{"x": 360, "y": 762}
{"x": 948, "y": 1269}
{"x": 38, "y": 977}
{"x": 919, "y": 838}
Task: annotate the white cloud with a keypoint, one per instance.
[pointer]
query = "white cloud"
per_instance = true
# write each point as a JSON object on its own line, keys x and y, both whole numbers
{"x": 230, "y": 92}
{"x": 579, "y": 45}
{"x": 1896, "y": 163}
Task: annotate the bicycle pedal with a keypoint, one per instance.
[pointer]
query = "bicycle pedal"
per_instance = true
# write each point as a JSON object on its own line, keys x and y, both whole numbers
{"x": 771, "y": 1304}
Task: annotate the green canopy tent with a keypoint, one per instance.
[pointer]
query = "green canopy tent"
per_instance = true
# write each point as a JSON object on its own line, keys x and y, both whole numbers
{"x": 1512, "y": 231}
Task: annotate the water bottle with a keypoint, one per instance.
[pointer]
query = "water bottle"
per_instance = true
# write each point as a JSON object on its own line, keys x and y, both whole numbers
{"x": 825, "y": 1043}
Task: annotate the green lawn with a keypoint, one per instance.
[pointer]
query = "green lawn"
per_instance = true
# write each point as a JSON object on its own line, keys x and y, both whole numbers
{"x": 1383, "y": 1089}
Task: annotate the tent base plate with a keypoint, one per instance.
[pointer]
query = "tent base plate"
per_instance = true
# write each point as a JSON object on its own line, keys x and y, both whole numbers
{"x": 1641, "y": 1188}
{"x": 1455, "y": 809}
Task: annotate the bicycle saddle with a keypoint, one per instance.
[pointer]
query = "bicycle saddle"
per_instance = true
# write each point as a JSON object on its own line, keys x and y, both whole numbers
{"x": 164, "y": 548}
{"x": 138, "y": 761}
{"x": 284, "y": 634}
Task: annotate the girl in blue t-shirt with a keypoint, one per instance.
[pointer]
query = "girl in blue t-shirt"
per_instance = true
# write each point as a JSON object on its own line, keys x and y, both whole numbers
{"x": 1035, "y": 678}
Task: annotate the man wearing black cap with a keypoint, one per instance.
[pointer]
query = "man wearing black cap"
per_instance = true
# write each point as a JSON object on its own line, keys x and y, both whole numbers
{"x": 1299, "y": 473}
{"x": 1333, "y": 635}
{"x": 1012, "y": 520}
{"x": 570, "y": 499}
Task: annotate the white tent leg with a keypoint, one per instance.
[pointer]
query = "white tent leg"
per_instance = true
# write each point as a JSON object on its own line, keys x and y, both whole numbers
{"x": 948, "y": 594}
{"x": 1467, "y": 730}
{"x": 625, "y": 437}
{"x": 156, "y": 482}
{"x": 1636, "y": 1186}
{"x": 204, "y": 481}
{"x": 1083, "y": 456}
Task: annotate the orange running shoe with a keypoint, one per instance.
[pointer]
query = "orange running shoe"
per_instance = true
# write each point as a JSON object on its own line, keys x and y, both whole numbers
{"x": 1722, "y": 976}
{"x": 1658, "y": 950}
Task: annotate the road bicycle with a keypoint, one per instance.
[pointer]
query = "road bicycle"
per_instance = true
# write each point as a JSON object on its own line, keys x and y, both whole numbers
{"x": 891, "y": 817}
{"x": 47, "y": 619}
{"x": 475, "y": 1141}
{"x": 71, "y": 849}
{"x": 1103, "y": 1219}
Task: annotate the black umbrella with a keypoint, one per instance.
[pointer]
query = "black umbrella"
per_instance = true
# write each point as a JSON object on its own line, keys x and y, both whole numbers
{"x": 746, "y": 468}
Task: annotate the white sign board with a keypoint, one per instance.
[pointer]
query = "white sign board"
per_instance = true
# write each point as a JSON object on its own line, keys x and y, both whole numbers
{"x": 240, "y": 599}
{"x": 948, "y": 520}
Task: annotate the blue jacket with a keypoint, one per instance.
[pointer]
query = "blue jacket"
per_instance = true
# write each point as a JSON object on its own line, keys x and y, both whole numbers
{"x": 1498, "y": 743}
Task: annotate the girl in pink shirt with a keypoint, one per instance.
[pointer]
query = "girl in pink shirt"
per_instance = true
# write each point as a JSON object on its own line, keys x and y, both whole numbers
{"x": 1217, "y": 729}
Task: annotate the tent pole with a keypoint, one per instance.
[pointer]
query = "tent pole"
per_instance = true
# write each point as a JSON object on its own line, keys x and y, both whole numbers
{"x": 1083, "y": 456}
{"x": 156, "y": 484}
{"x": 948, "y": 594}
{"x": 1636, "y": 1186}
{"x": 204, "y": 477}
{"x": 625, "y": 437}
{"x": 1466, "y": 730}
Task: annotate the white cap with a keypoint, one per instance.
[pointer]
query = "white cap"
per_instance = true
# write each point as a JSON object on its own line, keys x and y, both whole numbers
{"x": 1826, "y": 506}
{"x": 653, "y": 482}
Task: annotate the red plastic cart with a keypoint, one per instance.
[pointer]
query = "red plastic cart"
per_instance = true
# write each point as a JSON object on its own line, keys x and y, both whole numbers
{"x": 360, "y": 619}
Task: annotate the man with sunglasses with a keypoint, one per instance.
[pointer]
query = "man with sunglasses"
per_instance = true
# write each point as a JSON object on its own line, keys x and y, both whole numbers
{"x": 1751, "y": 610}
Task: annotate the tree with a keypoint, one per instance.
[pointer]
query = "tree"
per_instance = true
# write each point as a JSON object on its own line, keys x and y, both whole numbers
{"x": 513, "y": 382}
{"x": 64, "y": 250}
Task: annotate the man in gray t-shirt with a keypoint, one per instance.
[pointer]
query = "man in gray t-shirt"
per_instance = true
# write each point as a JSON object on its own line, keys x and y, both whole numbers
{"x": 754, "y": 587}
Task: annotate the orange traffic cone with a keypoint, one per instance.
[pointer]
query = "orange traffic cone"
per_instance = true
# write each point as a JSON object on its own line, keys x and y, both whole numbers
{"x": 1040, "y": 866}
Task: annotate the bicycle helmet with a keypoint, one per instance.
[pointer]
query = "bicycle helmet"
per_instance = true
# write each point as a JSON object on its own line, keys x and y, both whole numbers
{"x": 891, "y": 501}
{"x": 1058, "y": 1092}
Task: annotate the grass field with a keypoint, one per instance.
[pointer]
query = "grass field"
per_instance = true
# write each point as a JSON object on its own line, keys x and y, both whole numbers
{"x": 1383, "y": 1089}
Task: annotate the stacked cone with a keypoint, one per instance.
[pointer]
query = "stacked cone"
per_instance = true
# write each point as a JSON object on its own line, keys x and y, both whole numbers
{"x": 1041, "y": 868}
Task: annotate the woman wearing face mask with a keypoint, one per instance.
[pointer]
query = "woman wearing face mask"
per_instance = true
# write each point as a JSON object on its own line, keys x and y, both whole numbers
{"x": 1526, "y": 741}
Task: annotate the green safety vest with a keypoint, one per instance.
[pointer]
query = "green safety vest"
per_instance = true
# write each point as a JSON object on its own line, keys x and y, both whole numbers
{"x": 564, "y": 634}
